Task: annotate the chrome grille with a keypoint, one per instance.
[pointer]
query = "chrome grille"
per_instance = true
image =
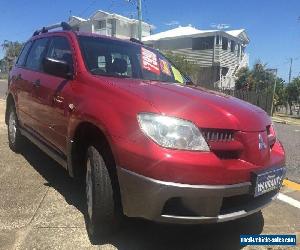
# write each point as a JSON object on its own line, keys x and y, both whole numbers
{"x": 218, "y": 135}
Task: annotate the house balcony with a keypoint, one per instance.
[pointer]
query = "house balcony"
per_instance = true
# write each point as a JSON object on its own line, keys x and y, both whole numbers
{"x": 103, "y": 31}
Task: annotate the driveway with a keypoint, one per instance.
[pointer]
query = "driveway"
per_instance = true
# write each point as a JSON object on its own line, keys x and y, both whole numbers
{"x": 42, "y": 208}
{"x": 3, "y": 88}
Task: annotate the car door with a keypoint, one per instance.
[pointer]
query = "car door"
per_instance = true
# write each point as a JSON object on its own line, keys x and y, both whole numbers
{"x": 28, "y": 81}
{"x": 19, "y": 84}
{"x": 52, "y": 98}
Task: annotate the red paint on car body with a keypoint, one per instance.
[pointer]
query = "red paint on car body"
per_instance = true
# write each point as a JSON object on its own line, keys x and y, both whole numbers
{"x": 112, "y": 104}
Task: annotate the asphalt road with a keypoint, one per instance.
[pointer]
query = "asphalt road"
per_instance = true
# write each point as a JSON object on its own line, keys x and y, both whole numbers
{"x": 289, "y": 135}
{"x": 42, "y": 208}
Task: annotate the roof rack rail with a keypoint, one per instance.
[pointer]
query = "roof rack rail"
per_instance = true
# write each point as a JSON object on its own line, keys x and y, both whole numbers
{"x": 63, "y": 25}
{"x": 134, "y": 40}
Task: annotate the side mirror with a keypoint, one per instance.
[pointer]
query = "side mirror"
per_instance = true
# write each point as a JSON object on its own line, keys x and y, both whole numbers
{"x": 57, "y": 68}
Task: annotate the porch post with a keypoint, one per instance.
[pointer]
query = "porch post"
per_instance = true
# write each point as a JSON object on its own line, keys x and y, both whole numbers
{"x": 106, "y": 33}
{"x": 221, "y": 44}
{"x": 214, "y": 49}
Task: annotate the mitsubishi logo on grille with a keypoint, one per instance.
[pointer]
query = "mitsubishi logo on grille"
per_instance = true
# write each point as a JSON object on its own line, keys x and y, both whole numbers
{"x": 261, "y": 144}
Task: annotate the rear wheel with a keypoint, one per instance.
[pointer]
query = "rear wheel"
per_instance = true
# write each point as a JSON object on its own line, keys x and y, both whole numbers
{"x": 15, "y": 139}
{"x": 102, "y": 212}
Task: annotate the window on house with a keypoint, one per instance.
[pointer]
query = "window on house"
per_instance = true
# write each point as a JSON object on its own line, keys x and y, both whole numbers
{"x": 232, "y": 46}
{"x": 109, "y": 23}
{"x": 202, "y": 43}
{"x": 224, "y": 71}
{"x": 218, "y": 40}
{"x": 101, "y": 24}
{"x": 224, "y": 43}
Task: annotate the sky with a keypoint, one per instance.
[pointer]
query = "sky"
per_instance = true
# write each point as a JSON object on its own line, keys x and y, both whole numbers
{"x": 272, "y": 26}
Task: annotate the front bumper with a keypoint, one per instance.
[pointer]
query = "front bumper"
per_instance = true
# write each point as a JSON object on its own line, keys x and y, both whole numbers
{"x": 187, "y": 204}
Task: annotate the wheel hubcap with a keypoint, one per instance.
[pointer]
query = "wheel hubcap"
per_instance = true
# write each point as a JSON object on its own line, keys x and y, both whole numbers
{"x": 89, "y": 190}
{"x": 12, "y": 128}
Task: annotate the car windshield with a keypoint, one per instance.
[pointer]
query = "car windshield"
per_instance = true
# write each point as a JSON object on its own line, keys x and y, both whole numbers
{"x": 115, "y": 58}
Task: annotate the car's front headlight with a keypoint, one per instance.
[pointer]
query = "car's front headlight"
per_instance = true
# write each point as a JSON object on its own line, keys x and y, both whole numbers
{"x": 171, "y": 132}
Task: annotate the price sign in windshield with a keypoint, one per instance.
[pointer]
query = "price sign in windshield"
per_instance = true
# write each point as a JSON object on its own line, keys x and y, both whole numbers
{"x": 149, "y": 61}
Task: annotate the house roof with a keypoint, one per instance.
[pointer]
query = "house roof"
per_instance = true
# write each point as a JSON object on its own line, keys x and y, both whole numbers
{"x": 179, "y": 31}
{"x": 79, "y": 18}
{"x": 191, "y": 31}
{"x": 100, "y": 13}
{"x": 235, "y": 33}
{"x": 74, "y": 20}
{"x": 241, "y": 33}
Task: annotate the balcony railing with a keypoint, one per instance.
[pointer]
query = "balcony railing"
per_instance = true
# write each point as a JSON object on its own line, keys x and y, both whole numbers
{"x": 103, "y": 31}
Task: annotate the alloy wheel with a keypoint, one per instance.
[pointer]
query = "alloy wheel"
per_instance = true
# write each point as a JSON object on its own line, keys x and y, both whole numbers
{"x": 12, "y": 127}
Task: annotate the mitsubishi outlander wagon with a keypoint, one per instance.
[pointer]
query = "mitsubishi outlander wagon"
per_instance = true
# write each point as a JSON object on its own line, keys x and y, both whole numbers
{"x": 145, "y": 141}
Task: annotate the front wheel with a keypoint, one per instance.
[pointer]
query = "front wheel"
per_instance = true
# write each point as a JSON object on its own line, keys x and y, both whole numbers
{"x": 15, "y": 139}
{"x": 101, "y": 207}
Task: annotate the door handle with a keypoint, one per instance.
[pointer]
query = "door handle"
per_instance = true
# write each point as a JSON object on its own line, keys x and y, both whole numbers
{"x": 37, "y": 83}
{"x": 19, "y": 77}
{"x": 58, "y": 99}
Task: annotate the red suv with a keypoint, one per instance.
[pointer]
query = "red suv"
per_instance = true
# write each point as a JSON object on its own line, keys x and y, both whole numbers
{"x": 146, "y": 141}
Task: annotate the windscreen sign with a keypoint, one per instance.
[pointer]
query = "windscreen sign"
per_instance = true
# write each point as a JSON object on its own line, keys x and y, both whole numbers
{"x": 149, "y": 61}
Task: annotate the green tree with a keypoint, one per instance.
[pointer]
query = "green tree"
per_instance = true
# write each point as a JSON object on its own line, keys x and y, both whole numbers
{"x": 258, "y": 78}
{"x": 11, "y": 52}
{"x": 280, "y": 97}
{"x": 185, "y": 66}
{"x": 243, "y": 76}
{"x": 262, "y": 80}
{"x": 293, "y": 93}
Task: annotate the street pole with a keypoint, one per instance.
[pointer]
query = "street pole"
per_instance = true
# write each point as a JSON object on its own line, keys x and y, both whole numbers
{"x": 290, "y": 71}
{"x": 274, "y": 90}
{"x": 290, "y": 78}
{"x": 274, "y": 71}
{"x": 139, "y": 7}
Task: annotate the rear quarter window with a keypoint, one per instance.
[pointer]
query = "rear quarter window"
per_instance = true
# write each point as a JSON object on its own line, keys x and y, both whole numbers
{"x": 22, "y": 57}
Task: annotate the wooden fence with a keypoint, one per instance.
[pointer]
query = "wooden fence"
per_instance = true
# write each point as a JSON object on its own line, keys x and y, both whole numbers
{"x": 262, "y": 99}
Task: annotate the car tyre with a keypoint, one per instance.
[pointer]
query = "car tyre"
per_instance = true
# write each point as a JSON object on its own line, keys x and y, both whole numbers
{"x": 15, "y": 138}
{"x": 102, "y": 214}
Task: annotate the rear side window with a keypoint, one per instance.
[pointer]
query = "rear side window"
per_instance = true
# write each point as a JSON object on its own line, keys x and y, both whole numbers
{"x": 60, "y": 49}
{"x": 23, "y": 54}
{"x": 125, "y": 58}
{"x": 37, "y": 54}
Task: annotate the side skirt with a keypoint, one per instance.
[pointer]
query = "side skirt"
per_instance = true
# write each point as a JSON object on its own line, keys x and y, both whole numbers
{"x": 55, "y": 155}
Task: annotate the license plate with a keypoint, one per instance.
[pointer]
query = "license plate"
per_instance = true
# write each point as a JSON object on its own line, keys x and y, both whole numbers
{"x": 268, "y": 180}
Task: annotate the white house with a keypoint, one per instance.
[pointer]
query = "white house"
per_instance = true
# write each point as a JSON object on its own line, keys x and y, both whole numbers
{"x": 110, "y": 24}
{"x": 218, "y": 53}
